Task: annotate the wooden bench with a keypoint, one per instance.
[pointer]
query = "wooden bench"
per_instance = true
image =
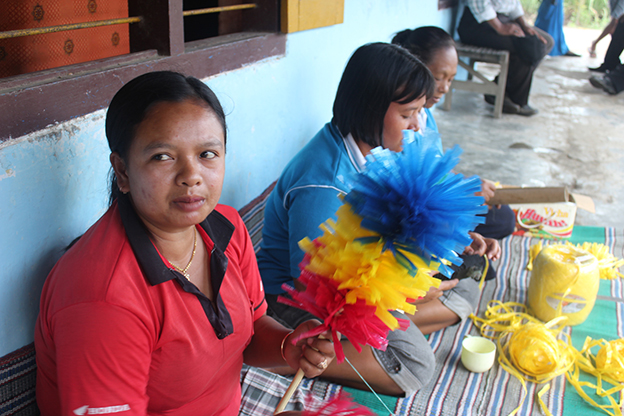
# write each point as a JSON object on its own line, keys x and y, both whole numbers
{"x": 477, "y": 54}
{"x": 18, "y": 369}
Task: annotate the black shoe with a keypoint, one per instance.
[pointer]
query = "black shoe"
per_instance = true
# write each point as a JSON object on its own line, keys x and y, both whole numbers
{"x": 472, "y": 268}
{"x": 603, "y": 82}
{"x": 602, "y": 68}
{"x": 509, "y": 107}
{"x": 571, "y": 54}
{"x": 527, "y": 111}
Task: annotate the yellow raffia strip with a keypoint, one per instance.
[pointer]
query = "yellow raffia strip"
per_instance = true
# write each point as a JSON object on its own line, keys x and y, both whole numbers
{"x": 606, "y": 366}
{"x": 541, "y": 401}
{"x": 367, "y": 271}
{"x": 608, "y": 264}
{"x": 485, "y": 270}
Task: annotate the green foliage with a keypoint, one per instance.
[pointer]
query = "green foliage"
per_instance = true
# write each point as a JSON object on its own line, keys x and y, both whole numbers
{"x": 594, "y": 14}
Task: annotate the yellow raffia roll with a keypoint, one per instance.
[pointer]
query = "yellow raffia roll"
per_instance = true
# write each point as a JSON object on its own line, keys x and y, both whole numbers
{"x": 608, "y": 363}
{"x": 564, "y": 281}
{"x": 535, "y": 350}
{"x": 610, "y": 359}
{"x": 365, "y": 270}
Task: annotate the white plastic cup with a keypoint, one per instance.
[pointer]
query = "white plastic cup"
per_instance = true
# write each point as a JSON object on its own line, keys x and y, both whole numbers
{"x": 478, "y": 354}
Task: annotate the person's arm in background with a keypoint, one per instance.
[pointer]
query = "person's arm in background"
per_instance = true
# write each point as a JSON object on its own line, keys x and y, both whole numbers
{"x": 617, "y": 17}
{"x": 529, "y": 30}
{"x": 488, "y": 188}
{"x": 608, "y": 30}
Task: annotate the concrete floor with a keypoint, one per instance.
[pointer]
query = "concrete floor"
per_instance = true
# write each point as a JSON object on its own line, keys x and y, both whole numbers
{"x": 576, "y": 140}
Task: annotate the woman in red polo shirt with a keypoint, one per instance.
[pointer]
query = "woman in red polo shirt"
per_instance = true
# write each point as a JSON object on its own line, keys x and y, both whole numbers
{"x": 156, "y": 307}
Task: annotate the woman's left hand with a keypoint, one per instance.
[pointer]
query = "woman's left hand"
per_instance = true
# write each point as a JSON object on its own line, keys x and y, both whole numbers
{"x": 312, "y": 355}
{"x": 530, "y": 31}
{"x": 488, "y": 189}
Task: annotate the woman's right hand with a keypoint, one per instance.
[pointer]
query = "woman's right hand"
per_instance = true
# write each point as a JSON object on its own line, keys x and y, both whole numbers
{"x": 483, "y": 246}
{"x": 313, "y": 354}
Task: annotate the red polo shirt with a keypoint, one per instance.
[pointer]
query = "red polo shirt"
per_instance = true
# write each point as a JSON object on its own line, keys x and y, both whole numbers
{"x": 120, "y": 332}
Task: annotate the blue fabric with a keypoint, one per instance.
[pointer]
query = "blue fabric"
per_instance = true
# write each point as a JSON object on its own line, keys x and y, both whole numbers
{"x": 431, "y": 123}
{"x": 430, "y": 131}
{"x": 306, "y": 195}
{"x": 550, "y": 19}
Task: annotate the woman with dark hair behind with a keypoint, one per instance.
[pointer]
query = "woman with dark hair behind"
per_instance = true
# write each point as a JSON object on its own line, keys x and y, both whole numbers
{"x": 380, "y": 94}
{"x": 156, "y": 307}
{"x": 436, "y": 49}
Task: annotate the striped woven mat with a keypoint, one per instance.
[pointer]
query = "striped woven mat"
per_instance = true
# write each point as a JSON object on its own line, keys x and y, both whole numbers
{"x": 454, "y": 390}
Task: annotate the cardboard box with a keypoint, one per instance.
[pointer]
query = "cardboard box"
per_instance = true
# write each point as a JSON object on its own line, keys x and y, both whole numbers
{"x": 543, "y": 212}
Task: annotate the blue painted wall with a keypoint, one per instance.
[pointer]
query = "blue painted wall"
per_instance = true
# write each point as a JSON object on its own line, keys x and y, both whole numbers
{"x": 53, "y": 183}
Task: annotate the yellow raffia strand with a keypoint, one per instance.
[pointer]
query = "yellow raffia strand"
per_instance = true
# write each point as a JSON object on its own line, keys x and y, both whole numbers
{"x": 365, "y": 270}
{"x": 608, "y": 264}
{"x": 533, "y": 252}
{"x": 541, "y": 401}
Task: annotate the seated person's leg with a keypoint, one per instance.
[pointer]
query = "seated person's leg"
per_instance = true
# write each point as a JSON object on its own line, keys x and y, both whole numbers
{"x": 499, "y": 223}
{"x": 481, "y": 34}
{"x": 406, "y": 366}
{"x": 550, "y": 42}
{"x": 453, "y": 306}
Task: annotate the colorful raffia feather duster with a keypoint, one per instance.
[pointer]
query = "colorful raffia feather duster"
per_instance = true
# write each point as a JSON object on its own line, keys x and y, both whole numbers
{"x": 406, "y": 218}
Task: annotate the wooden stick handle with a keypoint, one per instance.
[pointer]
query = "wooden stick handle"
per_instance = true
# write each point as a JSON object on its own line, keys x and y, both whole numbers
{"x": 291, "y": 389}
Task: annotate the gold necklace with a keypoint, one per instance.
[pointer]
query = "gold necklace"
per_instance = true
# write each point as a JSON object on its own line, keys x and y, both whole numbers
{"x": 184, "y": 271}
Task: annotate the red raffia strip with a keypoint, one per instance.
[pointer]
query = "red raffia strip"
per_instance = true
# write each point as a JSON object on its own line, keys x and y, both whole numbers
{"x": 356, "y": 321}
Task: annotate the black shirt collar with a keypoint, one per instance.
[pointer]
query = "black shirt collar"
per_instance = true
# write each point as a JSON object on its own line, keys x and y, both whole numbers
{"x": 220, "y": 231}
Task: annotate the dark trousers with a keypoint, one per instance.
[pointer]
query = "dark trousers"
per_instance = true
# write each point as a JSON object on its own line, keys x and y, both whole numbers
{"x": 612, "y": 57}
{"x": 520, "y": 73}
{"x": 499, "y": 223}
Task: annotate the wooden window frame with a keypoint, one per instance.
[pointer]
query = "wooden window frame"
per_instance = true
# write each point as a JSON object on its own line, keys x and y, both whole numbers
{"x": 31, "y": 102}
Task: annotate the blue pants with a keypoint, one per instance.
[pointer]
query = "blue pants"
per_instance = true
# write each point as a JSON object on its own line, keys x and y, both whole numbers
{"x": 499, "y": 223}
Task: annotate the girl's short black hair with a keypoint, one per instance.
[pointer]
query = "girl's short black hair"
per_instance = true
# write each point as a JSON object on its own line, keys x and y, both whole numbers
{"x": 376, "y": 75}
{"x": 424, "y": 41}
{"x": 133, "y": 101}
